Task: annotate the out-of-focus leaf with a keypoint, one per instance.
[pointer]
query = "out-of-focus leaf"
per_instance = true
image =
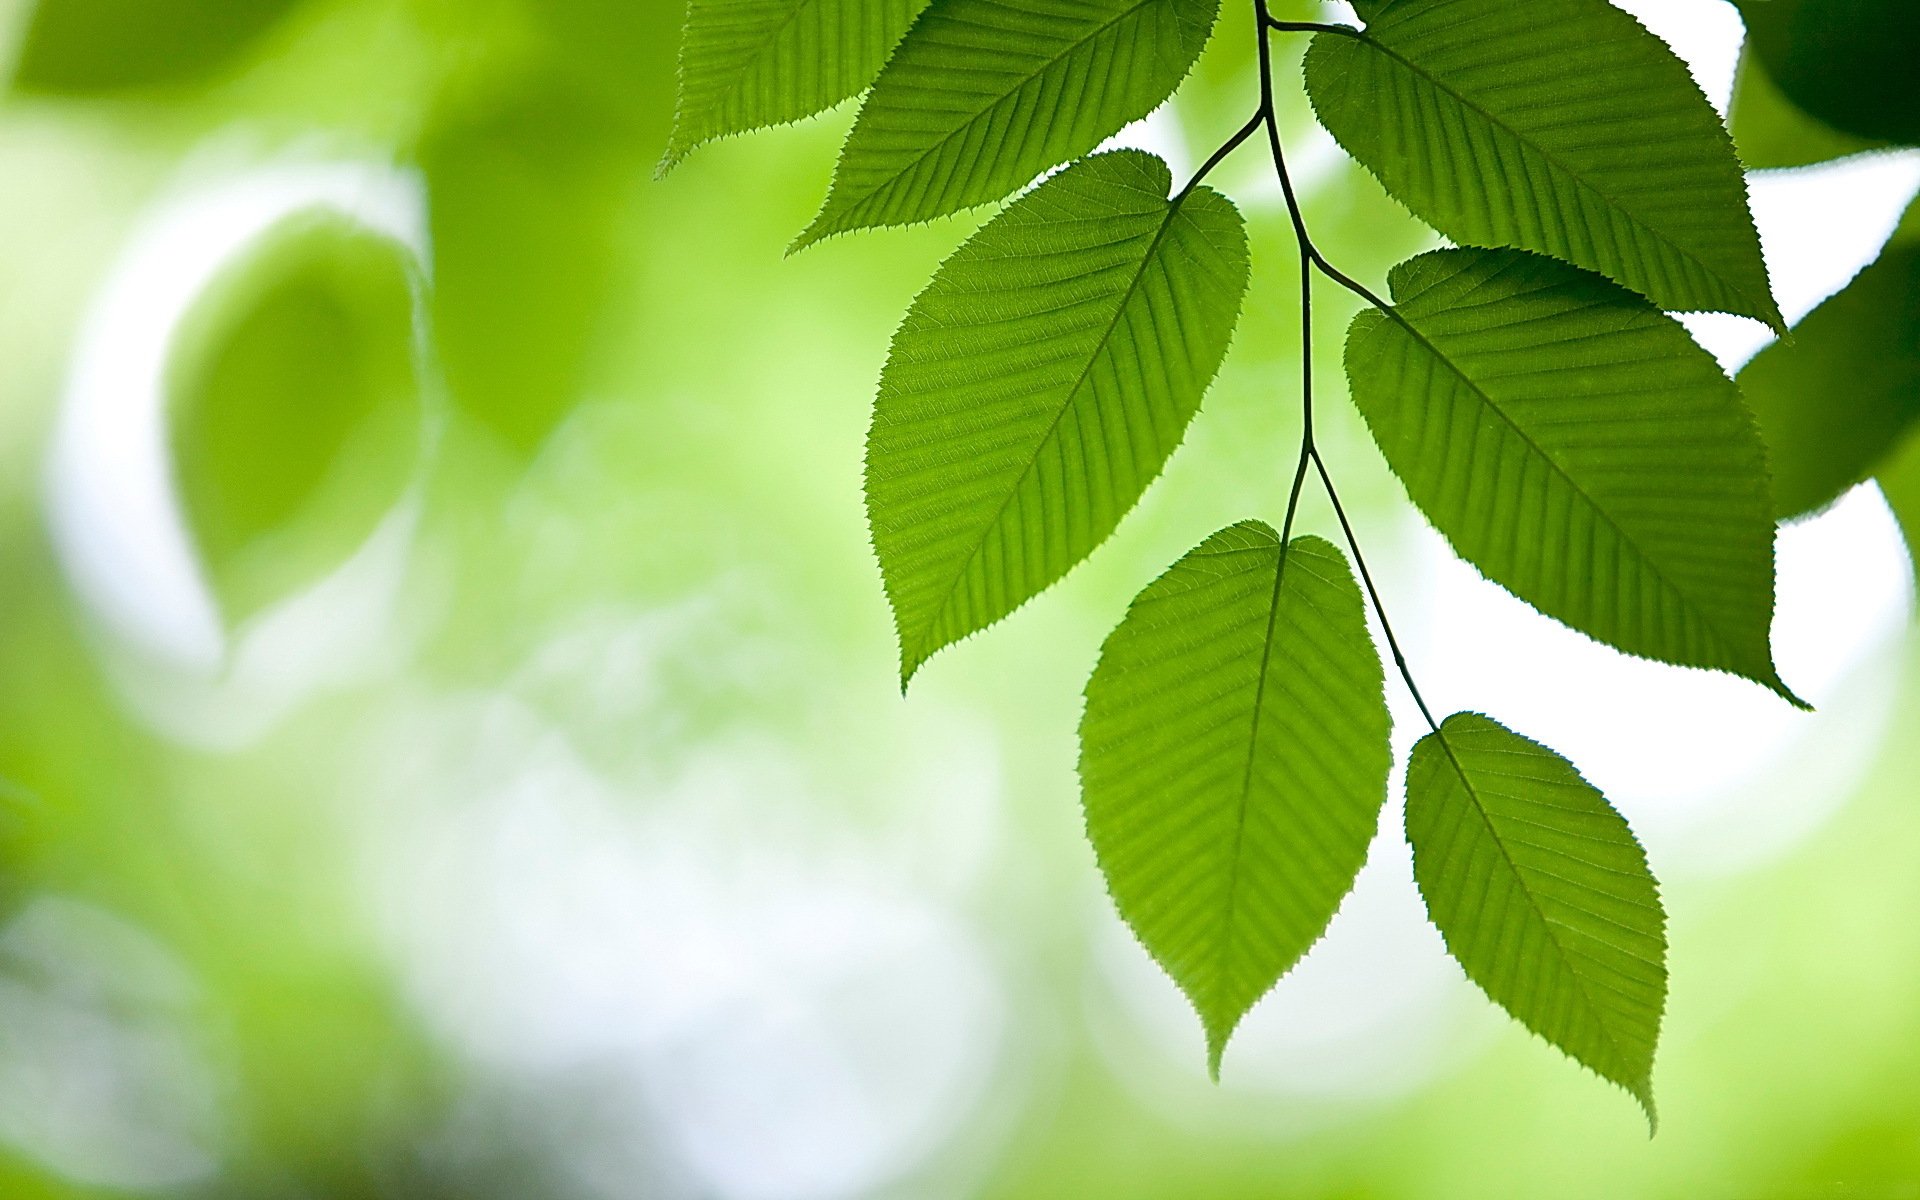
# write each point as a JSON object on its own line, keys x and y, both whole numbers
{"x": 1233, "y": 763}
{"x": 295, "y": 407}
{"x": 1560, "y": 126}
{"x": 1837, "y": 399}
{"x": 1770, "y": 131}
{"x": 1039, "y": 384}
{"x": 984, "y": 95}
{"x": 526, "y": 197}
{"x": 747, "y": 64}
{"x": 82, "y": 46}
{"x": 1574, "y": 443}
{"x": 1542, "y": 894}
{"x": 1853, "y": 64}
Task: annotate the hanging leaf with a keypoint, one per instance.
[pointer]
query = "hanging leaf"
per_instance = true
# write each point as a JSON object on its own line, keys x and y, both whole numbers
{"x": 748, "y": 64}
{"x": 1769, "y": 131}
{"x": 1542, "y": 894}
{"x": 1039, "y": 384}
{"x": 983, "y": 96}
{"x": 1848, "y": 63}
{"x": 1233, "y": 763}
{"x": 1574, "y": 443}
{"x": 1560, "y": 126}
{"x": 91, "y": 46}
{"x": 295, "y": 407}
{"x": 1837, "y": 399}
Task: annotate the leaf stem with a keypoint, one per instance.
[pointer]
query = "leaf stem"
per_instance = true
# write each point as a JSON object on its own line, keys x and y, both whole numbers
{"x": 1310, "y": 27}
{"x": 1233, "y": 143}
{"x": 1310, "y": 260}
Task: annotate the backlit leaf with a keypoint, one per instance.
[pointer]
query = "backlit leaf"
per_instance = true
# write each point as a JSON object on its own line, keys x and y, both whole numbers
{"x": 1039, "y": 384}
{"x": 747, "y": 64}
{"x": 1849, "y": 63}
{"x": 1542, "y": 894}
{"x": 1836, "y": 400}
{"x": 984, "y": 95}
{"x": 1770, "y": 131}
{"x": 295, "y": 407}
{"x": 1233, "y": 763}
{"x": 1560, "y": 126}
{"x": 1574, "y": 443}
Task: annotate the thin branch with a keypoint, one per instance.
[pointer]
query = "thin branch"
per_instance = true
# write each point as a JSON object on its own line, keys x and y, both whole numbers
{"x": 1311, "y": 27}
{"x": 1233, "y": 143}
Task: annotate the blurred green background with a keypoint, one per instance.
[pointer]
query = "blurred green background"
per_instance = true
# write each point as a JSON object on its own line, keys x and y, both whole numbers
{"x": 449, "y": 744}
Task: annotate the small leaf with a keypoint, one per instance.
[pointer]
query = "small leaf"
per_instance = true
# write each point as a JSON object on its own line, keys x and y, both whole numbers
{"x": 1837, "y": 399}
{"x": 1560, "y": 126}
{"x": 1848, "y": 63}
{"x": 748, "y": 64}
{"x": 295, "y": 407}
{"x": 1233, "y": 763}
{"x": 1770, "y": 132}
{"x": 984, "y": 95}
{"x": 1542, "y": 894}
{"x": 1039, "y": 384}
{"x": 1574, "y": 443}
{"x": 92, "y": 46}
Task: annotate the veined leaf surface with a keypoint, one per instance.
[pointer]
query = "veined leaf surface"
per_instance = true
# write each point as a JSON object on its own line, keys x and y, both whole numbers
{"x": 1039, "y": 384}
{"x": 1560, "y": 126}
{"x": 983, "y": 95}
{"x": 1542, "y": 894}
{"x": 747, "y": 64}
{"x": 1574, "y": 443}
{"x": 1233, "y": 763}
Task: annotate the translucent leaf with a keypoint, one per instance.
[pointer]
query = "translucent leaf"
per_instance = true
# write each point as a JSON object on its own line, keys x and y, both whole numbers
{"x": 1560, "y": 126}
{"x": 82, "y": 46}
{"x": 295, "y": 408}
{"x": 984, "y": 95}
{"x": 1573, "y": 443}
{"x": 526, "y": 195}
{"x": 1542, "y": 894}
{"x": 1769, "y": 131}
{"x": 1849, "y": 63}
{"x": 1039, "y": 384}
{"x": 747, "y": 64}
{"x": 1233, "y": 763}
{"x": 1836, "y": 400}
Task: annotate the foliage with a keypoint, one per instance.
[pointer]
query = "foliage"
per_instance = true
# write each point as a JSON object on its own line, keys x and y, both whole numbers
{"x": 1563, "y": 432}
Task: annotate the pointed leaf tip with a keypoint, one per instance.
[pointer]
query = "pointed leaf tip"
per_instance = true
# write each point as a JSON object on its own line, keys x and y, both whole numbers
{"x": 1233, "y": 763}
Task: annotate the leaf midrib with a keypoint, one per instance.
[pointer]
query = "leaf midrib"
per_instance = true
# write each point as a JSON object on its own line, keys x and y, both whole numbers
{"x": 933, "y": 147}
{"x": 1174, "y": 209}
{"x": 1651, "y": 565}
{"x": 1559, "y": 165}
{"x": 1480, "y": 810}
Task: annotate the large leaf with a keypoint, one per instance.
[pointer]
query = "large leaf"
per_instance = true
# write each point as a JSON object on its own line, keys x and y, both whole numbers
{"x": 1770, "y": 131}
{"x": 747, "y": 64}
{"x": 87, "y": 46}
{"x": 1233, "y": 763}
{"x": 1836, "y": 400}
{"x": 984, "y": 95}
{"x": 1573, "y": 443}
{"x": 1560, "y": 126}
{"x": 1039, "y": 384}
{"x": 1850, "y": 63}
{"x": 295, "y": 407}
{"x": 1542, "y": 894}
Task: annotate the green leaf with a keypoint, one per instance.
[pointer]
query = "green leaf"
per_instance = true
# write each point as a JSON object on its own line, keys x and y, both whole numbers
{"x": 1848, "y": 63}
{"x": 984, "y": 95}
{"x": 1573, "y": 443}
{"x": 1542, "y": 894}
{"x": 89, "y": 46}
{"x": 1039, "y": 384}
{"x": 1233, "y": 763}
{"x": 748, "y": 64}
{"x": 295, "y": 407}
{"x": 527, "y": 192}
{"x": 1770, "y": 132}
{"x": 1560, "y": 126}
{"x": 1837, "y": 399}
